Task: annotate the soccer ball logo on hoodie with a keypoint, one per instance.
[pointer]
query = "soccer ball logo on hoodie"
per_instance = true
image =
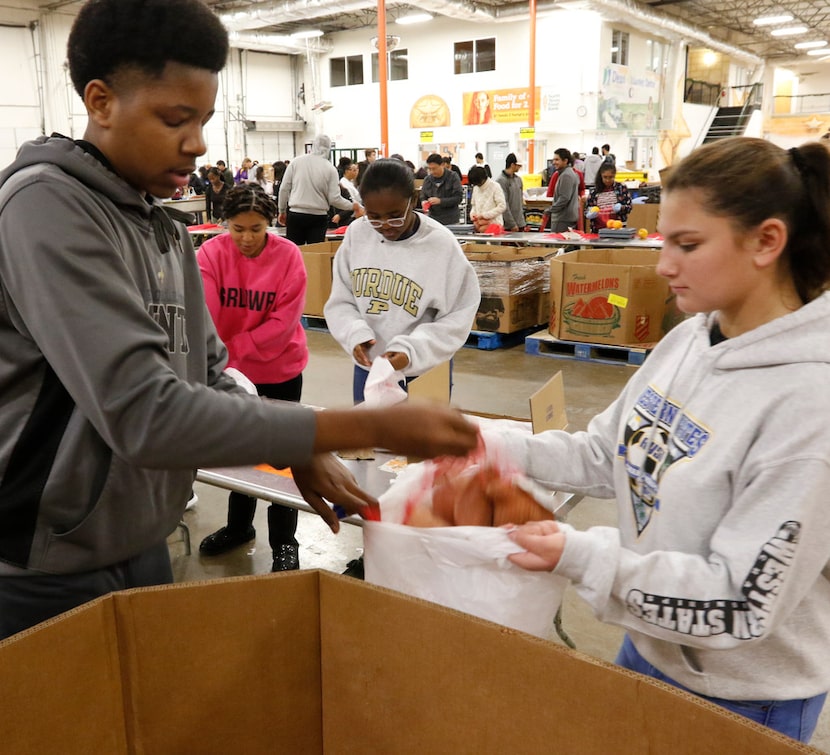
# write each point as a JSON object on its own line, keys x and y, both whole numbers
{"x": 657, "y": 435}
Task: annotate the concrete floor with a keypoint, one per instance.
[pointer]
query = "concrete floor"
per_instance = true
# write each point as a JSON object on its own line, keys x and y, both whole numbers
{"x": 497, "y": 382}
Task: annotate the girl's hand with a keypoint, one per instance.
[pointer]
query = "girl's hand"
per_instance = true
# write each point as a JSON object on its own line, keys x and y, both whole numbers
{"x": 543, "y": 542}
{"x": 397, "y": 359}
{"x": 361, "y": 353}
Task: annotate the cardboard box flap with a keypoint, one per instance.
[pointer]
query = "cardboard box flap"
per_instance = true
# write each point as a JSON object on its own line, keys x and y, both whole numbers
{"x": 62, "y": 686}
{"x": 417, "y": 677}
{"x": 547, "y": 406}
{"x": 223, "y": 666}
{"x": 635, "y": 257}
{"x": 432, "y": 385}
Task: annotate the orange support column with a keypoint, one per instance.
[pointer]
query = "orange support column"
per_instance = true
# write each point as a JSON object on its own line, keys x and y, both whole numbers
{"x": 382, "y": 76}
{"x": 531, "y": 116}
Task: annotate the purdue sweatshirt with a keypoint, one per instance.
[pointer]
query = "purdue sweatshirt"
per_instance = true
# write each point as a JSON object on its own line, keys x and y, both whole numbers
{"x": 719, "y": 459}
{"x": 417, "y": 295}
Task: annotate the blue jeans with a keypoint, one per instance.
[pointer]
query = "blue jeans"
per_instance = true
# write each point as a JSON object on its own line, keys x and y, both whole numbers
{"x": 795, "y": 718}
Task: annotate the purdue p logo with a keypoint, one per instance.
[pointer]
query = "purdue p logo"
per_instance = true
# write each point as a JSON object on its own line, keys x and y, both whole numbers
{"x": 376, "y": 307}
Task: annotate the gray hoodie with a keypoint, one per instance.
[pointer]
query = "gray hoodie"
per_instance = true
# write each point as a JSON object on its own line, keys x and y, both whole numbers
{"x": 111, "y": 385}
{"x": 311, "y": 184}
{"x": 719, "y": 458}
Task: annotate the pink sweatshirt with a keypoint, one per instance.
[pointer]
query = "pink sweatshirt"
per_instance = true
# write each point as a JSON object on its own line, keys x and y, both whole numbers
{"x": 256, "y": 305}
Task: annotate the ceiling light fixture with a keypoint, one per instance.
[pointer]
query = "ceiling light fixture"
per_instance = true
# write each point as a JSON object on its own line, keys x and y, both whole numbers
{"x": 308, "y": 34}
{"x": 414, "y": 18}
{"x": 772, "y": 20}
{"x": 810, "y": 45}
{"x": 789, "y": 31}
{"x": 818, "y": 52}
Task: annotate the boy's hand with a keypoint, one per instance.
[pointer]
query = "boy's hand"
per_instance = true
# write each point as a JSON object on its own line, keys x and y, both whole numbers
{"x": 425, "y": 429}
{"x": 326, "y": 478}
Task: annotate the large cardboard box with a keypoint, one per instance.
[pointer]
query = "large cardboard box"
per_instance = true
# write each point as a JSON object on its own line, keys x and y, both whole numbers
{"x": 513, "y": 281}
{"x": 318, "y": 261}
{"x": 644, "y": 216}
{"x": 612, "y": 296}
{"x": 313, "y": 662}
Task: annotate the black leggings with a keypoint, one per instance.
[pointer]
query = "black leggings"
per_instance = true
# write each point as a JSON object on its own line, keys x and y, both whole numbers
{"x": 282, "y": 520}
{"x": 302, "y": 228}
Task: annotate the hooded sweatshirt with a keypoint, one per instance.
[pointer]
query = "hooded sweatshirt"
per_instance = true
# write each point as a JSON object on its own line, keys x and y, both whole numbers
{"x": 417, "y": 295}
{"x": 257, "y": 304}
{"x": 111, "y": 385}
{"x": 719, "y": 459}
{"x": 311, "y": 184}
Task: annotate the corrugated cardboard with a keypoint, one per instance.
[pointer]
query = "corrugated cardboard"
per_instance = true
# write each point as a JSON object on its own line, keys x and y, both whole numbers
{"x": 514, "y": 281}
{"x": 318, "y": 260}
{"x": 313, "y": 662}
{"x": 624, "y": 297}
{"x": 644, "y": 216}
{"x": 507, "y": 314}
{"x": 432, "y": 385}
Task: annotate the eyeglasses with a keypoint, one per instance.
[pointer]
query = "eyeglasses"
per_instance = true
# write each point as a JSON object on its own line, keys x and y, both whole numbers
{"x": 392, "y": 222}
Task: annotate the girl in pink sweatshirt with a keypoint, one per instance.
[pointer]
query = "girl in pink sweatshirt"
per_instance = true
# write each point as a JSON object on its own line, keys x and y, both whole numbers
{"x": 255, "y": 285}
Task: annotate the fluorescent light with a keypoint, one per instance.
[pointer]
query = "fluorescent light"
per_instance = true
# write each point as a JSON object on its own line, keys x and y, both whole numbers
{"x": 307, "y": 34}
{"x": 772, "y": 20}
{"x": 414, "y": 18}
{"x": 810, "y": 45}
{"x": 788, "y": 31}
{"x": 818, "y": 52}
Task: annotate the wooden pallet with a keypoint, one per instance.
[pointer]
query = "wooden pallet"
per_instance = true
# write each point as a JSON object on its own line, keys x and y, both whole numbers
{"x": 488, "y": 341}
{"x": 545, "y": 345}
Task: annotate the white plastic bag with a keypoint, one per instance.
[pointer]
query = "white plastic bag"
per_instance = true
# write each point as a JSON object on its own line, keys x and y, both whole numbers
{"x": 465, "y": 568}
{"x": 382, "y": 387}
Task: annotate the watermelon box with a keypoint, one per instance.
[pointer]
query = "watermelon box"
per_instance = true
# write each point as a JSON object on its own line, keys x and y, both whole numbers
{"x": 607, "y": 296}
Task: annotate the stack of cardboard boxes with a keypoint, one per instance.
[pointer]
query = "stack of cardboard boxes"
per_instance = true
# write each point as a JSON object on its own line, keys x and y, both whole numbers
{"x": 515, "y": 286}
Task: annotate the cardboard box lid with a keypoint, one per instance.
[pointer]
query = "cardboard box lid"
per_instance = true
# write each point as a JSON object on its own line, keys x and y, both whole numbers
{"x": 494, "y": 253}
{"x": 630, "y": 257}
{"x": 316, "y": 662}
{"x": 547, "y": 406}
{"x": 322, "y": 247}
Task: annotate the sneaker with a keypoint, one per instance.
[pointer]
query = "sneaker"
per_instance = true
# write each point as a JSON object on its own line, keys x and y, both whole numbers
{"x": 355, "y": 568}
{"x": 192, "y": 501}
{"x": 225, "y": 540}
{"x": 286, "y": 558}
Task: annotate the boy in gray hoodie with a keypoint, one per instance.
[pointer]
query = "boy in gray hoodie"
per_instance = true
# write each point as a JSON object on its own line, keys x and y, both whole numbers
{"x": 112, "y": 390}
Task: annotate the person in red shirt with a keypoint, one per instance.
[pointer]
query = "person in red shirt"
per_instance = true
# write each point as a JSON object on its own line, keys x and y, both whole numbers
{"x": 255, "y": 285}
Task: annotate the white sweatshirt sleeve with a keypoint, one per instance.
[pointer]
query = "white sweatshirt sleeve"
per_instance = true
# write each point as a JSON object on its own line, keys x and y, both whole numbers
{"x": 343, "y": 318}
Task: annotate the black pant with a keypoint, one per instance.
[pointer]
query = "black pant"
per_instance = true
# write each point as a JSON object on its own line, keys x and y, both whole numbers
{"x": 282, "y": 520}
{"x": 302, "y": 228}
{"x": 28, "y": 600}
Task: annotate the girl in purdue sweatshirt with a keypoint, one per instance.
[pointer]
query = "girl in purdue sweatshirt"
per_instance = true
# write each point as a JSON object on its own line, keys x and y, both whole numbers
{"x": 718, "y": 449}
{"x": 402, "y": 288}
{"x": 255, "y": 285}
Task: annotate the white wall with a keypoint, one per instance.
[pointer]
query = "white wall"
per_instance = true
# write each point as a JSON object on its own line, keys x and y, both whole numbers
{"x": 569, "y": 65}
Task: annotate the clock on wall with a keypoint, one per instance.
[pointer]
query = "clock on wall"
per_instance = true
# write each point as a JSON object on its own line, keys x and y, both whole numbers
{"x": 582, "y": 111}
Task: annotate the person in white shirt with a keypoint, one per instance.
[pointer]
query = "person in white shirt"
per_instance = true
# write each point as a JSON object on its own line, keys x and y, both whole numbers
{"x": 347, "y": 182}
{"x": 488, "y": 202}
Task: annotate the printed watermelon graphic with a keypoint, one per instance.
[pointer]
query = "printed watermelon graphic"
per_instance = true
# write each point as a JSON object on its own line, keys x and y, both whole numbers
{"x": 596, "y": 317}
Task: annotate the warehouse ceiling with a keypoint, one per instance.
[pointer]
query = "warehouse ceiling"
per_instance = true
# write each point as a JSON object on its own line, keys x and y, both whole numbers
{"x": 725, "y": 22}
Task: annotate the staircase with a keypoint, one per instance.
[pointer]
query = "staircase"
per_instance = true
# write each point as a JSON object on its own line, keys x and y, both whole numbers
{"x": 729, "y": 121}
